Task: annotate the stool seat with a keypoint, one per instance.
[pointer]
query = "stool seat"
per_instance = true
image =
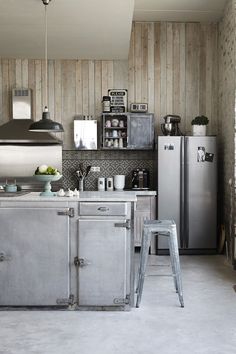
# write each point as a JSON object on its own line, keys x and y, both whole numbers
{"x": 166, "y": 228}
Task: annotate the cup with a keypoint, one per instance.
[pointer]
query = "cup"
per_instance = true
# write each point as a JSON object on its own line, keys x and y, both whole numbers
{"x": 115, "y": 143}
{"x": 109, "y": 184}
{"x": 114, "y": 134}
{"x": 101, "y": 184}
{"x": 119, "y": 182}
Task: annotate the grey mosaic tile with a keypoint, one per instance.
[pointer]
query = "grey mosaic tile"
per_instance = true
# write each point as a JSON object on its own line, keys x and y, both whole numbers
{"x": 108, "y": 168}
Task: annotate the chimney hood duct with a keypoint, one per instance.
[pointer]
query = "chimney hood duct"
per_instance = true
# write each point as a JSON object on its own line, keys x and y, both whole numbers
{"x": 16, "y": 131}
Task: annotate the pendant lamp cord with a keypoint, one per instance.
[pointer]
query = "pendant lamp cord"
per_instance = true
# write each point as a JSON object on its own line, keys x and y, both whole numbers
{"x": 46, "y": 58}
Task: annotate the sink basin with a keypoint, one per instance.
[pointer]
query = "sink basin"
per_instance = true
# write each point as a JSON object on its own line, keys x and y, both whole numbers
{"x": 12, "y": 194}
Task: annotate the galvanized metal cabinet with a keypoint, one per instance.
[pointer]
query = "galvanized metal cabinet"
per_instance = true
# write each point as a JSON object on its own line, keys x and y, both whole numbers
{"x": 34, "y": 256}
{"x": 104, "y": 255}
{"x": 145, "y": 210}
{"x": 135, "y": 133}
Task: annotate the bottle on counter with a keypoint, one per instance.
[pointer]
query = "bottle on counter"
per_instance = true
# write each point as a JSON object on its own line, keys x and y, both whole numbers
{"x": 106, "y": 104}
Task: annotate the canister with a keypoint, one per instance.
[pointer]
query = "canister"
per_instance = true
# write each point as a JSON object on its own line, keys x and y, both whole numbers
{"x": 109, "y": 184}
{"x": 101, "y": 184}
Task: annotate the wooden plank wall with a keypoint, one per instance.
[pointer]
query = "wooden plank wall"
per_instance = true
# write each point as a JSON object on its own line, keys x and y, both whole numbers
{"x": 171, "y": 66}
{"x": 174, "y": 67}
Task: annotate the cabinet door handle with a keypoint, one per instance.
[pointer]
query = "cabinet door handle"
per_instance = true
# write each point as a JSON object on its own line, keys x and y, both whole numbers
{"x": 126, "y": 224}
{"x": 103, "y": 209}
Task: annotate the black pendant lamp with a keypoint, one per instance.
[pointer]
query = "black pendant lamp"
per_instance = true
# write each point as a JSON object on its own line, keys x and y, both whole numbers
{"x": 46, "y": 124}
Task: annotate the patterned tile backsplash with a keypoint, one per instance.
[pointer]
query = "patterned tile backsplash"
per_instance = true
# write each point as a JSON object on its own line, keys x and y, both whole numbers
{"x": 110, "y": 162}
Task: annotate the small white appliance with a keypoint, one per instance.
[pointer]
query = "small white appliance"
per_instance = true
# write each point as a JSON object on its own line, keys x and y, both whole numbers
{"x": 101, "y": 184}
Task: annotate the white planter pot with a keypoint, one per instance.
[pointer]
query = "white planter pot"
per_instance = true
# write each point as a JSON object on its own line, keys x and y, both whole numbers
{"x": 199, "y": 130}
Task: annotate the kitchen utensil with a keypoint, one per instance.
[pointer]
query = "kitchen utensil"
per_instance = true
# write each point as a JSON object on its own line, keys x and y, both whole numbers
{"x": 88, "y": 168}
{"x": 119, "y": 182}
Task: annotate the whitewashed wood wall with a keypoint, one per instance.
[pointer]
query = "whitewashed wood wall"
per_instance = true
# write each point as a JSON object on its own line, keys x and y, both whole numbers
{"x": 171, "y": 66}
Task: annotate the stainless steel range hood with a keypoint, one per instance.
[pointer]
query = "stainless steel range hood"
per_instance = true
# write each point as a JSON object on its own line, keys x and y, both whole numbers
{"x": 16, "y": 130}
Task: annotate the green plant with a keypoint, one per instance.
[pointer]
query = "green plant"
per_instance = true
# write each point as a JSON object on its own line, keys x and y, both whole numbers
{"x": 200, "y": 120}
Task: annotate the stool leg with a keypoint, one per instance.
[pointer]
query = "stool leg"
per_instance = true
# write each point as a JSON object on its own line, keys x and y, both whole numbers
{"x": 146, "y": 240}
{"x": 141, "y": 257}
{"x": 172, "y": 261}
{"x": 174, "y": 246}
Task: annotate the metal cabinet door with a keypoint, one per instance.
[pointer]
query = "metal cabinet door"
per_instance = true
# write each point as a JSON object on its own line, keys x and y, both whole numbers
{"x": 140, "y": 131}
{"x": 34, "y": 256}
{"x": 103, "y": 280}
{"x": 201, "y": 192}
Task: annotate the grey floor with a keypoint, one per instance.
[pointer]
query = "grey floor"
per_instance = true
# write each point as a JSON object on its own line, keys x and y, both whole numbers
{"x": 207, "y": 324}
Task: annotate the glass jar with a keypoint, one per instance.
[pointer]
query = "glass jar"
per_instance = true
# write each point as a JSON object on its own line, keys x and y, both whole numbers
{"x": 106, "y": 104}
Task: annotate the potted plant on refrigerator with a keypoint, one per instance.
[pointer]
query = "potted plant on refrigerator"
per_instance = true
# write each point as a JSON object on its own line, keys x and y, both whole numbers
{"x": 199, "y": 124}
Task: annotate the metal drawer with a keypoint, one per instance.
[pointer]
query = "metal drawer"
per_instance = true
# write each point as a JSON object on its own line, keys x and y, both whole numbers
{"x": 103, "y": 209}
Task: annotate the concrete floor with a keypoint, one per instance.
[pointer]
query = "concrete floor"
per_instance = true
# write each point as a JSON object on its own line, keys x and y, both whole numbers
{"x": 207, "y": 324}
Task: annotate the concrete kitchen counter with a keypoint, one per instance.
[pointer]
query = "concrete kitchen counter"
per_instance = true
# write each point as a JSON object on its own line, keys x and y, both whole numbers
{"x": 90, "y": 196}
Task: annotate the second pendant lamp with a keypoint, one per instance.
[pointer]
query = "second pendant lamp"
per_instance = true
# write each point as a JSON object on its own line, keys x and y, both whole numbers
{"x": 46, "y": 124}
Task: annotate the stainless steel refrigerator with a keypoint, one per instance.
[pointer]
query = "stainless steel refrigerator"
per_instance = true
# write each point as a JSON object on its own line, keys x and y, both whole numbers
{"x": 187, "y": 190}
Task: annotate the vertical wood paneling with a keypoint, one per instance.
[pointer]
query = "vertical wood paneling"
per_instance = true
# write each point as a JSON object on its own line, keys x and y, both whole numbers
{"x": 215, "y": 80}
{"x": 38, "y": 88}
{"x": 144, "y": 66}
{"x": 31, "y": 83}
{"x": 98, "y": 88}
{"x": 51, "y": 89}
{"x": 24, "y": 73}
{"x": 157, "y": 73}
{"x": 182, "y": 70}
{"x": 150, "y": 69}
{"x": 120, "y": 72}
{"x": 91, "y": 80}
{"x": 58, "y": 93}
{"x": 163, "y": 44}
{"x": 171, "y": 66}
{"x": 176, "y": 69}
{"x": 131, "y": 69}
{"x": 68, "y": 99}
{"x": 5, "y": 91}
{"x": 192, "y": 73}
{"x": 1, "y": 93}
{"x": 18, "y": 73}
{"x": 78, "y": 88}
{"x": 85, "y": 86}
{"x": 138, "y": 62}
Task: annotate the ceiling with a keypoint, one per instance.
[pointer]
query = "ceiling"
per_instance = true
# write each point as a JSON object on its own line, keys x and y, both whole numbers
{"x": 89, "y": 29}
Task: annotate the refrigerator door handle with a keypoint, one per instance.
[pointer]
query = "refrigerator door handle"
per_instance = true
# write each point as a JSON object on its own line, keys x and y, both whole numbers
{"x": 182, "y": 157}
{"x": 186, "y": 194}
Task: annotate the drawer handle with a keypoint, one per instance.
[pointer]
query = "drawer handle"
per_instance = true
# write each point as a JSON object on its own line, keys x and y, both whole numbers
{"x": 103, "y": 209}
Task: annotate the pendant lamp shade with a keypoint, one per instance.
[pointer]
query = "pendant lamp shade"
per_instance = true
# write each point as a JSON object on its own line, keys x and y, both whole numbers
{"x": 46, "y": 124}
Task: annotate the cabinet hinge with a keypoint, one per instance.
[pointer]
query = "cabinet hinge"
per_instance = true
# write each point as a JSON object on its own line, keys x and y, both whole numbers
{"x": 68, "y": 212}
{"x": 126, "y": 224}
{"x": 120, "y": 301}
{"x": 66, "y": 301}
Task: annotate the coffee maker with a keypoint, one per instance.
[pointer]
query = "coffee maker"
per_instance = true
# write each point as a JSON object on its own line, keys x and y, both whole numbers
{"x": 171, "y": 125}
{"x": 140, "y": 179}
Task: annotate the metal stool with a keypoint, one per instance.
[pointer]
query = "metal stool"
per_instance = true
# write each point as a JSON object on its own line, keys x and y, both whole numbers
{"x": 166, "y": 228}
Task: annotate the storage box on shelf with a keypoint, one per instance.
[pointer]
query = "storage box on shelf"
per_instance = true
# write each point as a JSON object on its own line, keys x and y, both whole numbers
{"x": 127, "y": 131}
